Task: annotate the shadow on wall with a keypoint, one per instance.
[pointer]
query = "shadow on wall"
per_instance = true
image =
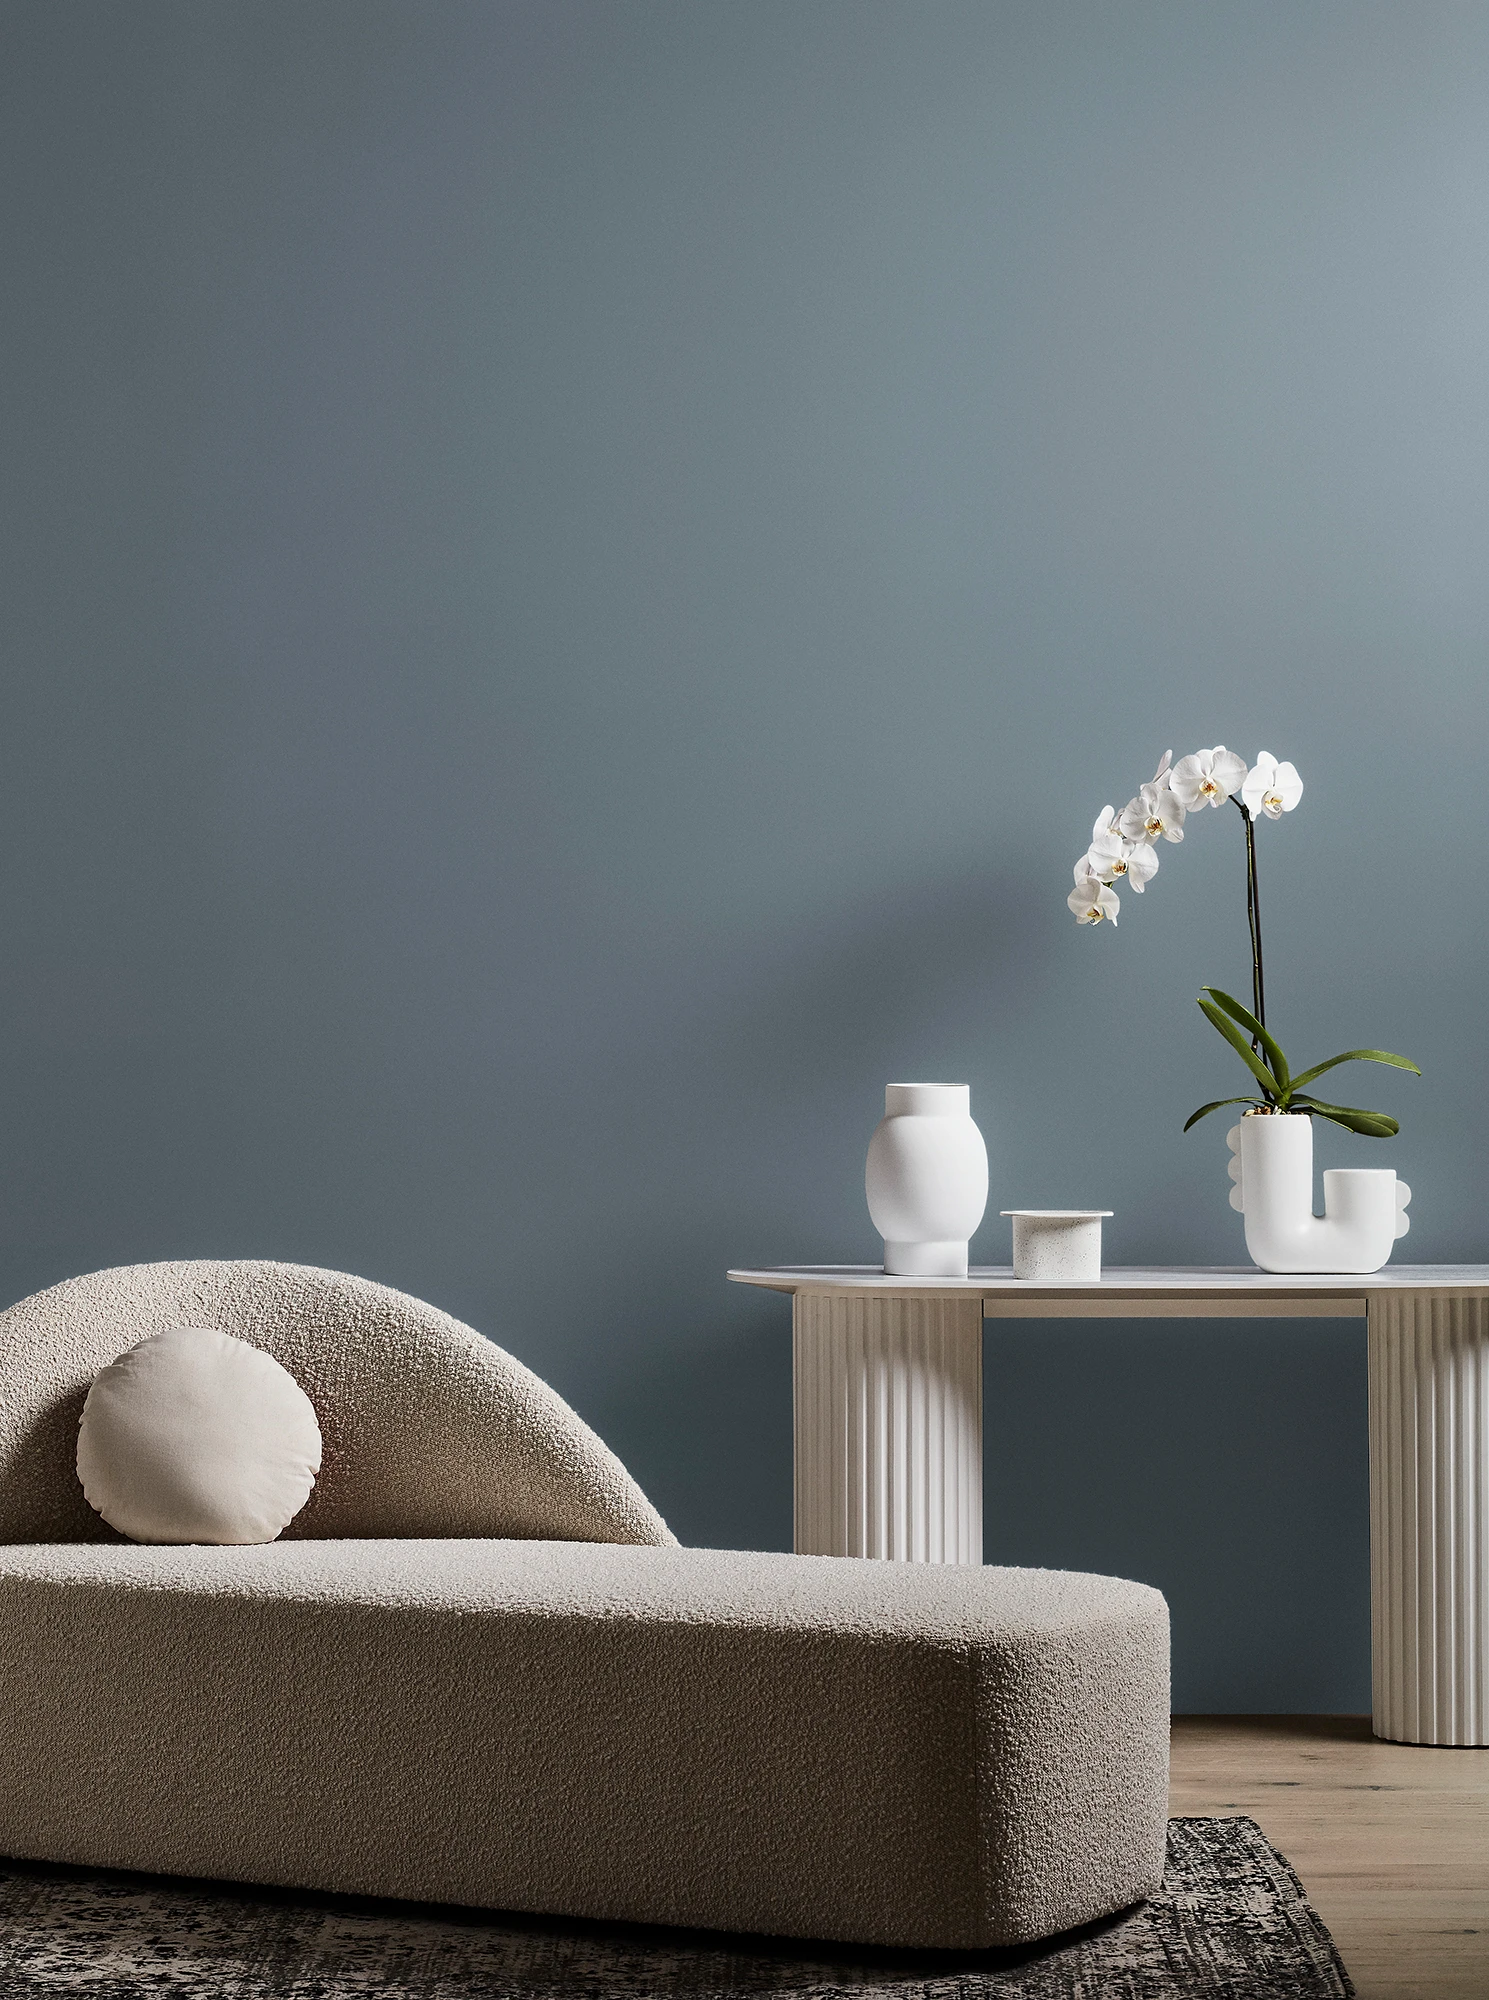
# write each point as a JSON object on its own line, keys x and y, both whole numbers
{"x": 871, "y": 996}
{"x": 724, "y": 1415}
{"x": 757, "y": 1114}
{"x": 1225, "y": 1462}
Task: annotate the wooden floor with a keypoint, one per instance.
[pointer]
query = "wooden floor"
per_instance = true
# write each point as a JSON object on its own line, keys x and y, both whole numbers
{"x": 1391, "y": 1841}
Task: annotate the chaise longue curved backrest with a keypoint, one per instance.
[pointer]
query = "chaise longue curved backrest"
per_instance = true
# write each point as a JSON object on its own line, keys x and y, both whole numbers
{"x": 428, "y": 1428}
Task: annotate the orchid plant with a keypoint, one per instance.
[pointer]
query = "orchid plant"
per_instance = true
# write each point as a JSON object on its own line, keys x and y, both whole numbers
{"x": 1124, "y": 848}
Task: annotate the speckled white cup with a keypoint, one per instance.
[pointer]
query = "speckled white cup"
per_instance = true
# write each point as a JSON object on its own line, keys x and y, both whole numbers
{"x": 1057, "y": 1245}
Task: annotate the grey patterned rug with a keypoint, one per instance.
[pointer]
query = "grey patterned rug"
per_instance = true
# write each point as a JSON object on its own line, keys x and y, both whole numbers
{"x": 1232, "y": 1923}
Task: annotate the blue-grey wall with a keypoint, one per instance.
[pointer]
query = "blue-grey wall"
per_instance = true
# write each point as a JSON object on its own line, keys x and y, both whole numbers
{"x": 575, "y": 577}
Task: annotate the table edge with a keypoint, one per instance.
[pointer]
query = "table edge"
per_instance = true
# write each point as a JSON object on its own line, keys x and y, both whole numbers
{"x": 1172, "y": 1282}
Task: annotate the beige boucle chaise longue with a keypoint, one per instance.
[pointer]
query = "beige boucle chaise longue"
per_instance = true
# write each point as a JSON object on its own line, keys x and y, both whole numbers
{"x": 478, "y": 1669}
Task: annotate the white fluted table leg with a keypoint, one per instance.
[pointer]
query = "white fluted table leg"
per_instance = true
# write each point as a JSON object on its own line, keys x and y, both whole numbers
{"x": 888, "y": 1401}
{"x": 1429, "y": 1517}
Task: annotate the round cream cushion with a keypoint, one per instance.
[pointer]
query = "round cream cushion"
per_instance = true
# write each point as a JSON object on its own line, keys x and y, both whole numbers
{"x": 193, "y": 1436}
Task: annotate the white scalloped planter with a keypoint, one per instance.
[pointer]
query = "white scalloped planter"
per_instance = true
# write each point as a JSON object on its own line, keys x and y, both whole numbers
{"x": 1272, "y": 1166}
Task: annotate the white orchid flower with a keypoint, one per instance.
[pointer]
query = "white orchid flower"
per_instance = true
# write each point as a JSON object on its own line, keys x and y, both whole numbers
{"x": 1104, "y": 855}
{"x": 1208, "y": 778}
{"x": 1270, "y": 787}
{"x": 1155, "y": 814}
{"x": 1110, "y": 858}
{"x": 1142, "y": 866}
{"x": 1092, "y": 899}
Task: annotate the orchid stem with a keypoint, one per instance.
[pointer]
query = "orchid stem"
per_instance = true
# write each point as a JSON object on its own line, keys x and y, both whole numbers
{"x": 1254, "y": 919}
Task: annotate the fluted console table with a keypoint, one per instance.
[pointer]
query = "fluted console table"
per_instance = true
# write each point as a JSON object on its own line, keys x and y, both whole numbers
{"x": 887, "y": 1377}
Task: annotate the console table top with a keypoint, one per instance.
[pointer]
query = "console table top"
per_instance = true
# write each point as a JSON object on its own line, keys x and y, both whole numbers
{"x": 1123, "y": 1291}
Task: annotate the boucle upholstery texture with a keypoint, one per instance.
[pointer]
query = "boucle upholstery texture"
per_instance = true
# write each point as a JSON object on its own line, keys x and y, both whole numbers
{"x": 427, "y": 1427}
{"x": 813, "y": 1746}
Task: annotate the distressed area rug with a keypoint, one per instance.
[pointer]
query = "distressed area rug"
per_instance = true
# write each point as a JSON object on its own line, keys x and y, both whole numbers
{"x": 1232, "y": 1923}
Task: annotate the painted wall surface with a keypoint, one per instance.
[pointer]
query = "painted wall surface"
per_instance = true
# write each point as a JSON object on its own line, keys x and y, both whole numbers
{"x": 576, "y": 575}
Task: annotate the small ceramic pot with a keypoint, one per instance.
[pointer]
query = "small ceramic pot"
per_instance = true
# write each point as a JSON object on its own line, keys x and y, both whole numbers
{"x": 1058, "y": 1244}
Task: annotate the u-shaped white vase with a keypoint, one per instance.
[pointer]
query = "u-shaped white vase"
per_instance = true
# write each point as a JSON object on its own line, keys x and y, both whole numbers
{"x": 1272, "y": 1166}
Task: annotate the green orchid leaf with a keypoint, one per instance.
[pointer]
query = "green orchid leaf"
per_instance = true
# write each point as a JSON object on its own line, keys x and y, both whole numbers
{"x": 1242, "y": 1047}
{"x": 1275, "y": 1058}
{"x": 1369, "y": 1124}
{"x": 1362, "y": 1124}
{"x": 1356, "y": 1055}
{"x": 1219, "y": 1104}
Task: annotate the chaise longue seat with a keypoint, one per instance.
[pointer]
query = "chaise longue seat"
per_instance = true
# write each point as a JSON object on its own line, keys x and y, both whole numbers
{"x": 478, "y": 1668}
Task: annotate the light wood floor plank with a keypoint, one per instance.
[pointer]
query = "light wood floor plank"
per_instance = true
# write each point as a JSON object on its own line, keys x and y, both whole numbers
{"x": 1391, "y": 1841}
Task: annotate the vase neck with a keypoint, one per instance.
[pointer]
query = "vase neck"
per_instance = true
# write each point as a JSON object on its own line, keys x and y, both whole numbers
{"x": 928, "y": 1100}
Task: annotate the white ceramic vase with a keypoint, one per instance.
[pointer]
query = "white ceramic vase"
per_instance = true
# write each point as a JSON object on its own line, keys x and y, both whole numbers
{"x": 1272, "y": 1167}
{"x": 926, "y": 1179}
